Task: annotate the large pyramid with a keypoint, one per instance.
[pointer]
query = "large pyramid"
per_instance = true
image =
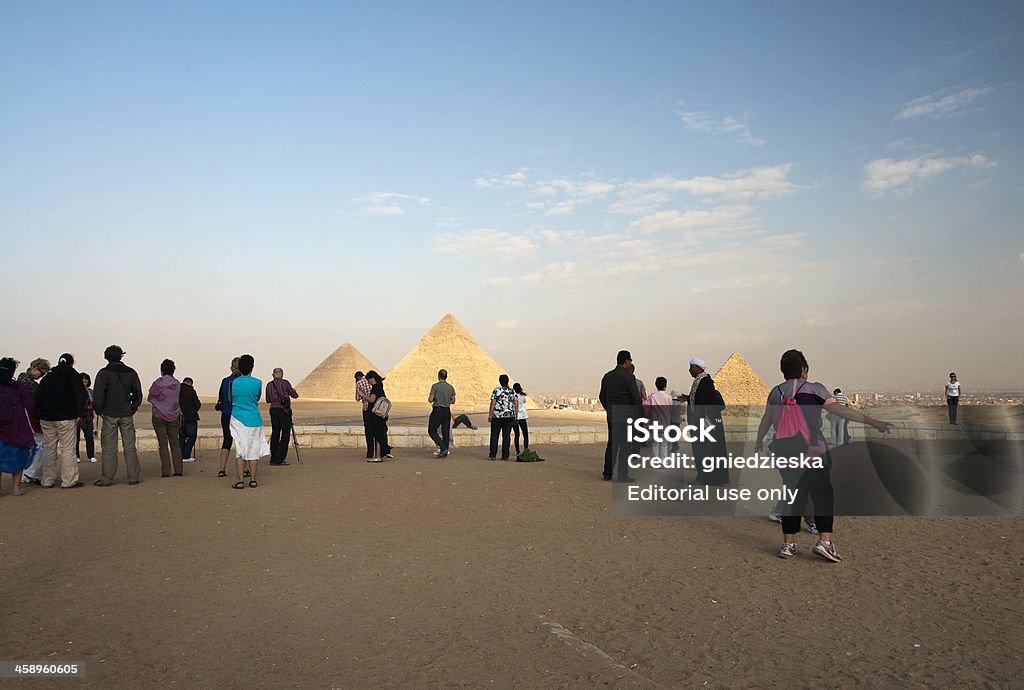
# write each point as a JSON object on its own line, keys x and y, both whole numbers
{"x": 739, "y": 384}
{"x": 448, "y": 345}
{"x": 333, "y": 379}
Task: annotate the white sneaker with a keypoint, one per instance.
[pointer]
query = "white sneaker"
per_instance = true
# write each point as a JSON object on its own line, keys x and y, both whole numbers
{"x": 92, "y": 460}
{"x": 787, "y": 551}
{"x": 78, "y": 460}
{"x": 188, "y": 459}
{"x": 774, "y": 516}
{"x": 811, "y": 527}
{"x": 374, "y": 460}
{"x": 827, "y": 550}
{"x": 389, "y": 456}
{"x": 437, "y": 452}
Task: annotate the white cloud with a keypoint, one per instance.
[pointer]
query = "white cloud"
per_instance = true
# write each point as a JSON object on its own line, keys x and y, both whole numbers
{"x": 554, "y": 274}
{"x": 389, "y": 203}
{"x": 562, "y": 208}
{"x": 677, "y": 220}
{"x": 767, "y": 182}
{"x": 514, "y": 179}
{"x": 941, "y": 104}
{"x": 708, "y": 123}
{"x": 740, "y": 281}
{"x": 906, "y": 176}
{"x": 486, "y": 242}
{"x": 634, "y": 202}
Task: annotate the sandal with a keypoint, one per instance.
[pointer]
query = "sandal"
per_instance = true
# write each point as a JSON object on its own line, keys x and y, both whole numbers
{"x": 253, "y": 484}
{"x": 222, "y": 473}
{"x": 238, "y": 485}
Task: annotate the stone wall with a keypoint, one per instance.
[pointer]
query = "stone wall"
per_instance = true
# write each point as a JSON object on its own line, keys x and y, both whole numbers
{"x": 322, "y": 436}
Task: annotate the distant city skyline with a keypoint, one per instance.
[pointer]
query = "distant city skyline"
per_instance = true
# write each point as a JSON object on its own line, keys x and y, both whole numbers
{"x": 200, "y": 180}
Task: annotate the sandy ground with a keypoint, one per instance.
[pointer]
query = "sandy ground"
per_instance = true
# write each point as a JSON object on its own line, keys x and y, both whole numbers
{"x": 467, "y": 573}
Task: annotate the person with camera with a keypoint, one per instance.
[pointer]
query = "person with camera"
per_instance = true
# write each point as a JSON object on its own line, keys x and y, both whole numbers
{"x": 279, "y": 396}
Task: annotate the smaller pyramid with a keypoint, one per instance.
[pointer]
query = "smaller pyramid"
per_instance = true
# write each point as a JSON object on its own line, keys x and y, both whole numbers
{"x": 739, "y": 384}
{"x": 333, "y": 378}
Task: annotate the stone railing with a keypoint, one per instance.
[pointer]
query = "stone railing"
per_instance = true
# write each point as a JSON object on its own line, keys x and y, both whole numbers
{"x": 330, "y": 436}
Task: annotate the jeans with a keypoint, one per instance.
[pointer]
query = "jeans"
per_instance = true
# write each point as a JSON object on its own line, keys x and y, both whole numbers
{"x": 502, "y": 425}
{"x": 168, "y": 443}
{"x": 521, "y": 425}
{"x": 59, "y": 434}
{"x": 440, "y": 417}
{"x": 838, "y": 425}
{"x": 108, "y": 437}
{"x": 187, "y": 438}
{"x": 280, "y": 430}
{"x": 90, "y": 442}
{"x": 659, "y": 449}
{"x": 952, "y": 404}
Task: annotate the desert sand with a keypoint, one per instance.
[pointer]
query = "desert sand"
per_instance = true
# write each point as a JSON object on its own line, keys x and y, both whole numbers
{"x": 466, "y": 573}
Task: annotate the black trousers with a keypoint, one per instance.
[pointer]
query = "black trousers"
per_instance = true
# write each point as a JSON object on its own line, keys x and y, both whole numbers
{"x": 504, "y": 427}
{"x": 379, "y": 429}
{"x": 225, "y": 428}
{"x": 463, "y": 420}
{"x": 280, "y": 429}
{"x": 521, "y": 426}
{"x": 368, "y": 431}
{"x": 815, "y": 484}
{"x": 440, "y": 417}
{"x": 618, "y": 448}
{"x": 952, "y": 404}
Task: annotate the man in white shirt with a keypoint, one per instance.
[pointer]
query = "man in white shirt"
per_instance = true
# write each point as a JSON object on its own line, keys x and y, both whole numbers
{"x": 838, "y": 424}
{"x": 952, "y": 396}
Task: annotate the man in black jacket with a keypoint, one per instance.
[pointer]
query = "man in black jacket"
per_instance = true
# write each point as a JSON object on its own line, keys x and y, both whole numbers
{"x": 189, "y": 403}
{"x": 621, "y": 400}
{"x": 116, "y": 397}
{"x": 60, "y": 401}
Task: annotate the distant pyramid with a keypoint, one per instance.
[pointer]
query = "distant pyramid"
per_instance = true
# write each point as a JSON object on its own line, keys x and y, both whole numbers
{"x": 332, "y": 379}
{"x": 739, "y": 384}
{"x": 448, "y": 345}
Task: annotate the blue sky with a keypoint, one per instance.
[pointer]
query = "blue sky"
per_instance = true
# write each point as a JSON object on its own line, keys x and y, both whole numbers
{"x": 196, "y": 180}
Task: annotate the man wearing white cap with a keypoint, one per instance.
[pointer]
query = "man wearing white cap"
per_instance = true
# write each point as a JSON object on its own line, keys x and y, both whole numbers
{"x": 704, "y": 401}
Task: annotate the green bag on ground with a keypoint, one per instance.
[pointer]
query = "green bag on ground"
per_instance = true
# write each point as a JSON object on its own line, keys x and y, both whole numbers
{"x": 529, "y": 456}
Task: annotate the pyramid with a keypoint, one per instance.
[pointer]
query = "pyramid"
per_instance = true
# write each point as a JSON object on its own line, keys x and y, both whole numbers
{"x": 448, "y": 345}
{"x": 739, "y": 384}
{"x": 332, "y": 379}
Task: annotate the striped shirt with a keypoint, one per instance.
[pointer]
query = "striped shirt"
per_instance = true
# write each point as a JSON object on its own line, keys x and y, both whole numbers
{"x": 842, "y": 399}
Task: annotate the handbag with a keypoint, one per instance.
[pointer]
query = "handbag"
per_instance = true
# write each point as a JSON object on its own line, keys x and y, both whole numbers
{"x": 382, "y": 408}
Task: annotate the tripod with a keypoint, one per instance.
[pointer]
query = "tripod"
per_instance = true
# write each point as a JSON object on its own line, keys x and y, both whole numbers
{"x": 295, "y": 438}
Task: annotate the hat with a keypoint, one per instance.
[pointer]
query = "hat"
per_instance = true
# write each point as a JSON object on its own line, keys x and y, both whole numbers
{"x": 697, "y": 361}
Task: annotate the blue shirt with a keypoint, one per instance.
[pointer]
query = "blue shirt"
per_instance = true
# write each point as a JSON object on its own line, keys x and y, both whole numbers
{"x": 224, "y": 394}
{"x": 245, "y": 394}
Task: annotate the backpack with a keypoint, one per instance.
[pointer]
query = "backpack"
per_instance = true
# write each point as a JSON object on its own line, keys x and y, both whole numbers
{"x": 529, "y": 456}
{"x": 7, "y": 412}
{"x": 792, "y": 436}
{"x": 382, "y": 408}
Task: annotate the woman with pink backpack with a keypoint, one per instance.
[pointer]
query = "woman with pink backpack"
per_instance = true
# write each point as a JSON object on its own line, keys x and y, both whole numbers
{"x": 794, "y": 408}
